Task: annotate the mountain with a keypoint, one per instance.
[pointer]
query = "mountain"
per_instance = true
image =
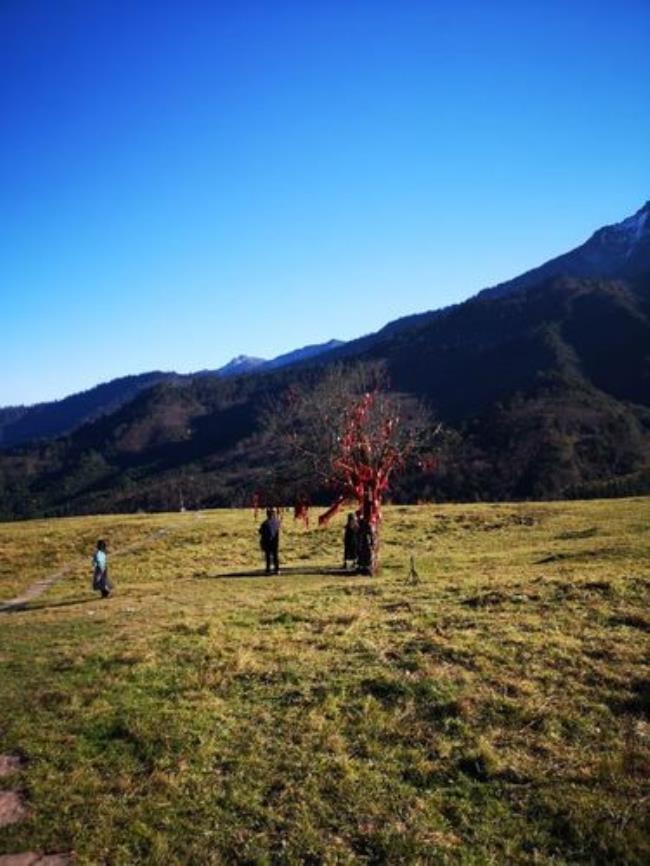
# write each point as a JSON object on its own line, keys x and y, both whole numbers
{"x": 304, "y": 354}
{"x": 544, "y": 390}
{"x": 55, "y": 418}
{"x": 243, "y": 364}
{"x": 621, "y": 250}
{"x": 21, "y": 424}
{"x": 240, "y": 365}
{"x": 546, "y": 393}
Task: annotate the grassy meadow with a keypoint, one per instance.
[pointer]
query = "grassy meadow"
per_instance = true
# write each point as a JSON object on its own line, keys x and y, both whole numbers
{"x": 495, "y": 712}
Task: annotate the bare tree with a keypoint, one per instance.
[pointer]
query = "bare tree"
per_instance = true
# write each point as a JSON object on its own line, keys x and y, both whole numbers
{"x": 348, "y": 434}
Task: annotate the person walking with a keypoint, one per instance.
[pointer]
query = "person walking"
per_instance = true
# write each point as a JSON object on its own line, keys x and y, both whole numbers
{"x": 350, "y": 542}
{"x": 100, "y": 570}
{"x": 270, "y": 540}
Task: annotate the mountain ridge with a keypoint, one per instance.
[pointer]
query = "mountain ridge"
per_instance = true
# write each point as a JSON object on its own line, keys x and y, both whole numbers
{"x": 545, "y": 391}
{"x": 533, "y": 386}
{"x": 48, "y": 419}
{"x": 620, "y": 249}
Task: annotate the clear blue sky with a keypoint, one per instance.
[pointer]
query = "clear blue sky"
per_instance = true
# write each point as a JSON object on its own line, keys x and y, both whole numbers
{"x": 181, "y": 182}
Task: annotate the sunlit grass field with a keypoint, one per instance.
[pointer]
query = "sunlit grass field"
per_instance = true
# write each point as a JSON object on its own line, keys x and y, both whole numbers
{"x": 495, "y": 712}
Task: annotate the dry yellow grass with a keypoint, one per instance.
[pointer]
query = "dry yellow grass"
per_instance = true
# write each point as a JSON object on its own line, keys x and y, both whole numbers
{"x": 496, "y": 712}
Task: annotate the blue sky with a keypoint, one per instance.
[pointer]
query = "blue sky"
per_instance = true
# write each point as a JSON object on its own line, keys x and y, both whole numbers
{"x": 181, "y": 182}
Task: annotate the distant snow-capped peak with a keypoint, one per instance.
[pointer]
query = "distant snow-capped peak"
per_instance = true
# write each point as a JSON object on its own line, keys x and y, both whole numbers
{"x": 240, "y": 364}
{"x": 628, "y": 232}
{"x": 246, "y": 363}
{"x": 634, "y": 226}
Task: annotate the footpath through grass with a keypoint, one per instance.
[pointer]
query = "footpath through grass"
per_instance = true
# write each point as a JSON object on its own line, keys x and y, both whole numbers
{"x": 495, "y": 713}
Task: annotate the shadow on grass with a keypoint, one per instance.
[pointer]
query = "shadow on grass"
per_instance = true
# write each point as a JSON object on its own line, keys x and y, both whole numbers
{"x": 259, "y": 572}
{"x": 636, "y": 702}
{"x": 26, "y": 607}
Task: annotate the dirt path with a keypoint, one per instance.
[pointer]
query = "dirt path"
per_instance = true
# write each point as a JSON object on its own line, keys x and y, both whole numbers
{"x": 44, "y": 583}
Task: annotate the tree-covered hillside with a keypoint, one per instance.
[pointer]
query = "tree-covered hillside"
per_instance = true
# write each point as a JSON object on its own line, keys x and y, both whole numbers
{"x": 544, "y": 393}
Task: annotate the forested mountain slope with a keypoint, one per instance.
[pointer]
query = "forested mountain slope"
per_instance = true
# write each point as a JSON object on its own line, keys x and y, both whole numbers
{"x": 547, "y": 389}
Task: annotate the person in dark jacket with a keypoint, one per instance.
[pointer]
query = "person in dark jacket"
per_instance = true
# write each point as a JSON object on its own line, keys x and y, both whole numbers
{"x": 270, "y": 540}
{"x": 100, "y": 570}
{"x": 350, "y": 542}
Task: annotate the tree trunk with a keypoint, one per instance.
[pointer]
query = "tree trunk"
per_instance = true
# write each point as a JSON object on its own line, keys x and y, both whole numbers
{"x": 372, "y": 517}
{"x": 376, "y": 565}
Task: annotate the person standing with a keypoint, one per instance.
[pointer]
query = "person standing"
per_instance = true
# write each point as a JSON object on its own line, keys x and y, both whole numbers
{"x": 350, "y": 542}
{"x": 270, "y": 540}
{"x": 100, "y": 570}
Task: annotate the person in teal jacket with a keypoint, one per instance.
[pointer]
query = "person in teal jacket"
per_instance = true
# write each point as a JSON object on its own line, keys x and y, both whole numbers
{"x": 100, "y": 570}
